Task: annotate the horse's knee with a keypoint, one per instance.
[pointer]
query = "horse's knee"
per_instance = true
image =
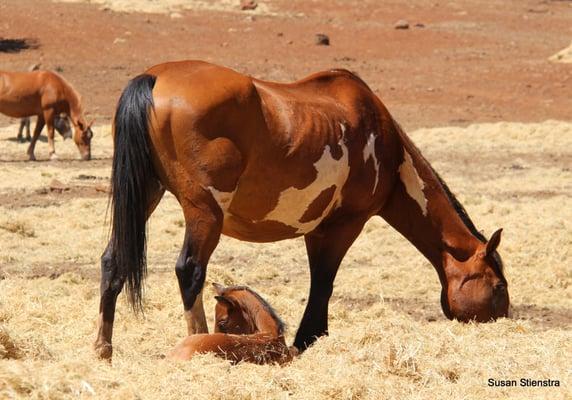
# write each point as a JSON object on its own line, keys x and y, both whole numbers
{"x": 191, "y": 276}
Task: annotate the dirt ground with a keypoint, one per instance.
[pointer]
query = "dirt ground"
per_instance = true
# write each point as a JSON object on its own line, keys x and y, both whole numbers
{"x": 477, "y": 90}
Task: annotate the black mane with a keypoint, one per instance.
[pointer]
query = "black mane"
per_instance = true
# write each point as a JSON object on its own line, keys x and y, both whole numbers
{"x": 462, "y": 213}
{"x": 281, "y": 325}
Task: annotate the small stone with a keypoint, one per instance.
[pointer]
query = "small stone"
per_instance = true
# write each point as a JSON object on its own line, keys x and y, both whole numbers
{"x": 322, "y": 39}
{"x": 119, "y": 40}
{"x": 401, "y": 24}
{"x": 175, "y": 15}
{"x": 57, "y": 186}
{"x": 419, "y": 25}
{"x": 248, "y": 4}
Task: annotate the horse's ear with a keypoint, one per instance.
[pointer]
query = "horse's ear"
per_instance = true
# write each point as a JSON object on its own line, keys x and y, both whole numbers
{"x": 91, "y": 123}
{"x": 493, "y": 242}
{"x": 227, "y": 301}
{"x": 219, "y": 289}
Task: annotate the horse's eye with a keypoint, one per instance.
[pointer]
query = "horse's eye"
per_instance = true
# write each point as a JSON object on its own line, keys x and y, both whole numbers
{"x": 222, "y": 323}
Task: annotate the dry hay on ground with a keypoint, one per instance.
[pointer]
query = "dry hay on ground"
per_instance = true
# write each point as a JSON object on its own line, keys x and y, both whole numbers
{"x": 388, "y": 339}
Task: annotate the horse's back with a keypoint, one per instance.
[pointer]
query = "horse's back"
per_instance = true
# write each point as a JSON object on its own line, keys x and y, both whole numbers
{"x": 24, "y": 94}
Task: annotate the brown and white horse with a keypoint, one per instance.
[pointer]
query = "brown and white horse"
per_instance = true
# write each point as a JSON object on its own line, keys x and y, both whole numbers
{"x": 246, "y": 329}
{"x": 261, "y": 162}
{"x": 47, "y": 95}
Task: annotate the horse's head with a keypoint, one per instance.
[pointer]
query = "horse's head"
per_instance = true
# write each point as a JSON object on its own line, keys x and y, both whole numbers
{"x": 82, "y": 138}
{"x": 230, "y": 315}
{"x": 476, "y": 288}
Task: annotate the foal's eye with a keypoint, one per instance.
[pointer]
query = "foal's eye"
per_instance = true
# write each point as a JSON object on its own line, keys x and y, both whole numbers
{"x": 222, "y": 324}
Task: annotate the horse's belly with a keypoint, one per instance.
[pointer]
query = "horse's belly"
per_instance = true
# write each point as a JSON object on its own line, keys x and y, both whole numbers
{"x": 289, "y": 212}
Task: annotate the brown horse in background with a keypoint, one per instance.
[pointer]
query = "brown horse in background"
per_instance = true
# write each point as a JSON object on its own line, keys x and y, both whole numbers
{"x": 47, "y": 95}
{"x": 246, "y": 329}
{"x": 262, "y": 161}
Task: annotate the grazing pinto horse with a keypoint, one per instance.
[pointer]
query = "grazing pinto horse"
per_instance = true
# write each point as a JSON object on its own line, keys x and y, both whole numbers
{"x": 246, "y": 329}
{"x": 262, "y": 161}
{"x": 45, "y": 94}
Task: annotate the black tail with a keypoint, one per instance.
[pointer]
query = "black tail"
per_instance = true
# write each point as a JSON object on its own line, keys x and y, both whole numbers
{"x": 131, "y": 176}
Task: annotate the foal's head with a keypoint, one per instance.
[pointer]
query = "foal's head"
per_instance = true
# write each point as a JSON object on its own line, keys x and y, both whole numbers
{"x": 476, "y": 287}
{"x": 241, "y": 311}
{"x": 82, "y": 137}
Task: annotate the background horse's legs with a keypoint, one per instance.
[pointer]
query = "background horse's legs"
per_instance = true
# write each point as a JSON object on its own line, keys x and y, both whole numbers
{"x": 24, "y": 124}
{"x": 112, "y": 284}
{"x": 37, "y": 130}
{"x": 49, "y": 118}
{"x": 203, "y": 227}
{"x": 326, "y": 247}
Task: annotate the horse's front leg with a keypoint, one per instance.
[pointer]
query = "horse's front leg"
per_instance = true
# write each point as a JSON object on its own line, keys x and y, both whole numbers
{"x": 203, "y": 222}
{"x": 49, "y": 117}
{"x": 37, "y": 130}
{"x": 326, "y": 247}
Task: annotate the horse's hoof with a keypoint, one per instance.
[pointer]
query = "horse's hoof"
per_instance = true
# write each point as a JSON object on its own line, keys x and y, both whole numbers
{"x": 32, "y": 158}
{"x": 53, "y": 156}
{"x": 104, "y": 351}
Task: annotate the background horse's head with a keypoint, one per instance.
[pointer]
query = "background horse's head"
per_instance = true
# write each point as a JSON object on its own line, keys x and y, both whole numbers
{"x": 82, "y": 137}
{"x": 476, "y": 288}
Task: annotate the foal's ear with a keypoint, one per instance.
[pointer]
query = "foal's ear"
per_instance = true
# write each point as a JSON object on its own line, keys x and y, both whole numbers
{"x": 227, "y": 301}
{"x": 91, "y": 123}
{"x": 219, "y": 289}
{"x": 493, "y": 242}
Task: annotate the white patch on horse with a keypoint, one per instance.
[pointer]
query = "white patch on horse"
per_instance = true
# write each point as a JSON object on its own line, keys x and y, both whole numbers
{"x": 223, "y": 199}
{"x": 293, "y": 202}
{"x": 369, "y": 152}
{"x": 413, "y": 183}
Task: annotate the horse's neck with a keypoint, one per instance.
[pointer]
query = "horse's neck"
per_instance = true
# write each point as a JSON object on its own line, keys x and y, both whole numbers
{"x": 74, "y": 102}
{"x": 421, "y": 209}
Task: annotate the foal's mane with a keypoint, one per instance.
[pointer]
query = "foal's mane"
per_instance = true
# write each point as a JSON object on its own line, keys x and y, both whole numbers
{"x": 267, "y": 307}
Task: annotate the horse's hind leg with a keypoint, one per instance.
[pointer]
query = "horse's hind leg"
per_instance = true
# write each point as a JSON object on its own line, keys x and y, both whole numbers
{"x": 326, "y": 247}
{"x": 112, "y": 284}
{"x": 203, "y": 220}
{"x": 37, "y": 130}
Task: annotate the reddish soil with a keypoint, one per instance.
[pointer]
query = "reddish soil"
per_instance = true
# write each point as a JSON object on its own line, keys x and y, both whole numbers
{"x": 473, "y": 61}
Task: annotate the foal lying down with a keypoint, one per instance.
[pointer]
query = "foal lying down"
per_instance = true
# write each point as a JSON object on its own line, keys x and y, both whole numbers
{"x": 246, "y": 329}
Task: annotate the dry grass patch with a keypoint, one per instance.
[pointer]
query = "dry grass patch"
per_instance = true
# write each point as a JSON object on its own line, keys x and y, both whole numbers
{"x": 389, "y": 339}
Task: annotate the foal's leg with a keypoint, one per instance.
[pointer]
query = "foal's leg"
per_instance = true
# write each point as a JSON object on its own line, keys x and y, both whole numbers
{"x": 37, "y": 130}
{"x": 326, "y": 247}
{"x": 112, "y": 284}
{"x": 203, "y": 222}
